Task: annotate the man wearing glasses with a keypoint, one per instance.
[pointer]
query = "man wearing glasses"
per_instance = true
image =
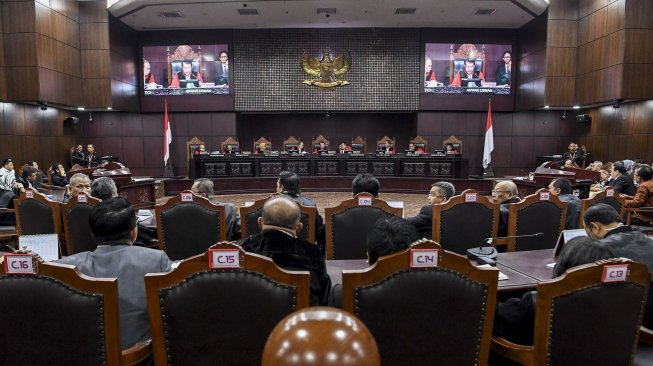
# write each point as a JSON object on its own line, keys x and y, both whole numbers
{"x": 504, "y": 70}
{"x": 440, "y": 193}
{"x": 504, "y": 193}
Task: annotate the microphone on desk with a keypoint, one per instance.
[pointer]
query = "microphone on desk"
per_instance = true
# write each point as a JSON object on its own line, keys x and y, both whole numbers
{"x": 486, "y": 250}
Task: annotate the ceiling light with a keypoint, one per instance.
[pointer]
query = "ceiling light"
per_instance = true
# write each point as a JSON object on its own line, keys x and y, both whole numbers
{"x": 576, "y": 107}
{"x": 546, "y": 107}
{"x": 80, "y": 108}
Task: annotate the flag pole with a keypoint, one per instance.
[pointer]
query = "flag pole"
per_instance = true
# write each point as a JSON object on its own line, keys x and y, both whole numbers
{"x": 168, "y": 171}
{"x": 488, "y": 146}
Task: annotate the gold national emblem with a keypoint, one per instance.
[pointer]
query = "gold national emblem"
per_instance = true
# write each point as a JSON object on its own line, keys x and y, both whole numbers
{"x": 326, "y": 72}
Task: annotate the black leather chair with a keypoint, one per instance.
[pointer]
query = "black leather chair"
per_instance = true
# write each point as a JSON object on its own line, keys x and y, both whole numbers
{"x": 35, "y": 214}
{"x": 453, "y": 220}
{"x": 582, "y": 320}
{"x": 249, "y": 220}
{"x": 425, "y": 316}
{"x": 541, "y": 212}
{"x": 188, "y": 228}
{"x": 75, "y": 215}
{"x": 58, "y": 316}
{"x": 348, "y": 224}
{"x": 609, "y": 197}
{"x": 204, "y": 316}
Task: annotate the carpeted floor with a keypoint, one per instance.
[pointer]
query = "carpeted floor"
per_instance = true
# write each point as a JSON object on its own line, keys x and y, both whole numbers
{"x": 412, "y": 202}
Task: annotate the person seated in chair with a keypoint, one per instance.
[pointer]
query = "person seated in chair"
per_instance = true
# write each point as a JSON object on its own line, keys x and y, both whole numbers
{"x": 193, "y": 78}
{"x": 113, "y": 224}
{"x": 603, "y": 223}
{"x": 78, "y": 156}
{"x": 573, "y": 154}
{"x": 321, "y": 148}
{"x": 387, "y": 148}
{"x": 643, "y": 197}
{"x": 561, "y": 187}
{"x": 440, "y": 192}
{"x": 262, "y": 149}
{"x": 92, "y": 158}
{"x": 621, "y": 182}
{"x": 41, "y": 177}
{"x": 27, "y": 178}
{"x": 468, "y": 77}
{"x": 203, "y": 187}
{"x": 504, "y": 193}
{"x": 389, "y": 236}
{"x": 290, "y": 185}
{"x": 79, "y": 183}
{"x": 278, "y": 240}
{"x": 413, "y": 149}
{"x": 58, "y": 175}
{"x": 343, "y": 148}
{"x": 365, "y": 183}
{"x": 514, "y": 319}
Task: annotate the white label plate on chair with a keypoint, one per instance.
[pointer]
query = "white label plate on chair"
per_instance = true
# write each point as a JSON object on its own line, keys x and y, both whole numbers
{"x": 81, "y": 198}
{"x": 29, "y": 194}
{"x": 365, "y": 201}
{"x": 544, "y": 196}
{"x": 421, "y": 258}
{"x": 609, "y": 192}
{"x": 224, "y": 258}
{"x": 615, "y": 273}
{"x": 186, "y": 197}
{"x": 470, "y": 197}
{"x": 19, "y": 264}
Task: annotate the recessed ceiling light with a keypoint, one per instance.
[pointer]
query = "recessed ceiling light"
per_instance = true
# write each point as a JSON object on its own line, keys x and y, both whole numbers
{"x": 576, "y": 107}
{"x": 546, "y": 107}
{"x": 109, "y": 108}
{"x": 80, "y": 108}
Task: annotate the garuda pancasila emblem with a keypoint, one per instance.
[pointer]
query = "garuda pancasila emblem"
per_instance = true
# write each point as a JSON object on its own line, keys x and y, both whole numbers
{"x": 326, "y": 71}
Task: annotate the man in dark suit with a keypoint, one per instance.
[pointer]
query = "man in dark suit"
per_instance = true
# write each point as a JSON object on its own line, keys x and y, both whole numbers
{"x": 91, "y": 157}
{"x": 573, "y": 154}
{"x": 113, "y": 224}
{"x": 78, "y": 156}
{"x": 423, "y": 222}
{"x": 561, "y": 187}
{"x": 204, "y": 187}
{"x": 278, "y": 240}
{"x": 505, "y": 193}
{"x": 222, "y": 69}
{"x": 504, "y": 71}
{"x": 621, "y": 181}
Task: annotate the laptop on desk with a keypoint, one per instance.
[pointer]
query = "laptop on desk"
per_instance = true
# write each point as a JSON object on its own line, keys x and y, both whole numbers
{"x": 193, "y": 83}
{"x": 564, "y": 237}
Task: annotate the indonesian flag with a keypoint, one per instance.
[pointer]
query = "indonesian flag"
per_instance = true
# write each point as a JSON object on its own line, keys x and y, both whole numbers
{"x": 489, "y": 138}
{"x": 167, "y": 136}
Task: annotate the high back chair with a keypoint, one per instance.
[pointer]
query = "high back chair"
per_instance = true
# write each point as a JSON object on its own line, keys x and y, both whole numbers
{"x": 57, "y": 315}
{"x": 219, "y": 307}
{"x": 608, "y": 196}
{"x": 540, "y": 212}
{"x": 437, "y": 303}
{"x": 188, "y": 224}
{"x": 249, "y": 220}
{"x": 348, "y": 224}
{"x": 75, "y": 214}
{"x": 453, "y": 219}
{"x": 591, "y": 315}
{"x": 36, "y": 214}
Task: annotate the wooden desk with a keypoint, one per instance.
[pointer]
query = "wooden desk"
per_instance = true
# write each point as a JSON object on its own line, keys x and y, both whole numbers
{"x": 517, "y": 281}
{"x": 531, "y": 263}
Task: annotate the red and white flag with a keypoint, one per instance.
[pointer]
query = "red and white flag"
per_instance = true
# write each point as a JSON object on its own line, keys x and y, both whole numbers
{"x": 167, "y": 136}
{"x": 489, "y": 138}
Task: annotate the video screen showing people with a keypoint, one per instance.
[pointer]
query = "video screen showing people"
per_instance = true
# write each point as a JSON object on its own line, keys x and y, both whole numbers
{"x": 186, "y": 69}
{"x": 467, "y": 68}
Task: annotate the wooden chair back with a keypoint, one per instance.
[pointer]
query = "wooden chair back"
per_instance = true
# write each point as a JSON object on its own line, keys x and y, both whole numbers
{"x": 230, "y": 141}
{"x": 420, "y": 142}
{"x": 591, "y": 315}
{"x": 453, "y": 219}
{"x": 36, "y": 214}
{"x": 359, "y": 144}
{"x": 402, "y": 295}
{"x": 220, "y": 307}
{"x": 380, "y": 143}
{"x": 188, "y": 225}
{"x": 610, "y": 197}
{"x": 540, "y": 212}
{"x": 348, "y": 223}
{"x": 75, "y": 214}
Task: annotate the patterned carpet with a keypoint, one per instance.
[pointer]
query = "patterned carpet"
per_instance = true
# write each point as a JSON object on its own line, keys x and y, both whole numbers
{"x": 412, "y": 202}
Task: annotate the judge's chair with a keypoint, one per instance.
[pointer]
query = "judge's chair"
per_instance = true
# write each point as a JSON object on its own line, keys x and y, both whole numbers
{"x": 541, "y": 212}
{"x": 466, "y": 52}
{"x": 453, "y": 219}
{"x": 77, "y": 230}
{"x": 291, "y": 144}
{"x": 188, "y": 224}
{"x": 316, "y": 142}
{"x": 589, "y": 316}
{"x": 262, "y": 140}
{"x": 205, "y": 313}
{"x": 609, "y": 197}
{"x": 55, "y": 315}
{"x": 359, "y": 144}
{"x": 249, "y": 220}
{"x": 420, "y": 143}
{"x": 437, "y": 303}
{"x": 455, "y": 143}
{"x": 380, "y": 143}
{"x": 181, "y": 53}
{"x": 230, "y": 145}
{"x": 348, "y": 223}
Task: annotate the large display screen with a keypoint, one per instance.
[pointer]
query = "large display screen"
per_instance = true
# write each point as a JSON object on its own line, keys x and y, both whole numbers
{"x": 467, "y": 68}
{"x": 186, "y": 69}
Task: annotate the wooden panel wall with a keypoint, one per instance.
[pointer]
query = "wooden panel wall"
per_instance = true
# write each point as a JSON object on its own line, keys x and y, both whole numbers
{"x": 94, "y": 41}
{"x": 531, "y": 61}
{"x": 561, "y": 53}
{"x": 3, "y": 84}
{"x": 638, "y": 53}
{"x": 621, "y": 133}
{"x": 124, "y": 66}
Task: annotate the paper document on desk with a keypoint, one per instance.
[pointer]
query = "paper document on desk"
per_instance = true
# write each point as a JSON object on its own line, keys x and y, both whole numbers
{"x": 45, "y": 245}
{"x": 502, "y": 276}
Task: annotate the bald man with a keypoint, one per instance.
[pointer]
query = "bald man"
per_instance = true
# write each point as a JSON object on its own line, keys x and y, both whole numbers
{"x": 505, "y": 193}
{"x": 279, "y": 241}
